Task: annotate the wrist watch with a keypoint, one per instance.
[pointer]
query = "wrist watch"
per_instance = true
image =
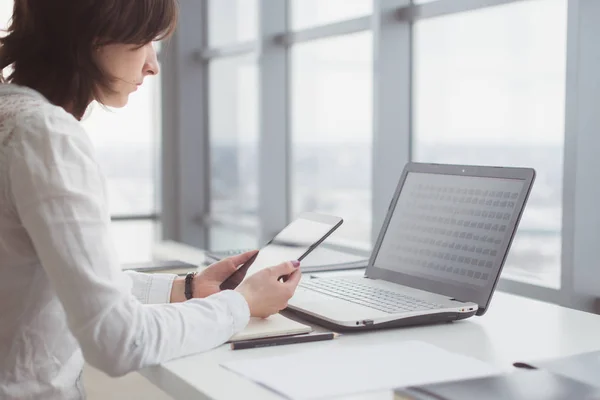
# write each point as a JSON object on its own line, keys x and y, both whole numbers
{"x": 189, "y": 278}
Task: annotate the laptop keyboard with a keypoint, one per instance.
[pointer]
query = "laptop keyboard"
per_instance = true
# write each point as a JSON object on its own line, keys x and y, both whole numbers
{"x": 379, "y": 299}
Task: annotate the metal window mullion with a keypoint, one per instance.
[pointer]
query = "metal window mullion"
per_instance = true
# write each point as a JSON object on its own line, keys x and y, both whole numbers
{"x": 233, "y": 225}
{"x": 446, "y": 7}
{"x": 169, "y": 178}
{"x": 392, "y": 75}
{"x": 157, "y": 105}
{"x": 274, "y": 141}
{"x": 134, "y": 217}
{"x": 325, "y": 31}
{"x": 570, "y": 154}
{"x": 234, "y": 50}
{"x": 185, "y": 164}
{"x": 581, "y": 143}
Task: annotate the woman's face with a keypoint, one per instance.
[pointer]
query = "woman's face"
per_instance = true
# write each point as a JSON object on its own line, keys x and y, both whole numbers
{"x": 128, "y": 65}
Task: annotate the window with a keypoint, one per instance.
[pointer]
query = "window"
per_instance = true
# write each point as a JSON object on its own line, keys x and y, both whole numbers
{"x": 233, "y": 116}
{"x": 357, "y": 88}
{"x": 6, "y": 8}
{"x": 489, "y": 88}
{"x": 134, "y": 239}
{"x": 126, "y": 142}
{"x": 331, "y": 125}
{"x": 232, "y": 21}
{"x": 227, "y": 238}
{"x": 309, "y": 13}
{"x": 233, "y": 127}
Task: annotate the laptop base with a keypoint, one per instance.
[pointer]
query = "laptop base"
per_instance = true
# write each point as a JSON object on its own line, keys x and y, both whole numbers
{"x": 402, "y": 322}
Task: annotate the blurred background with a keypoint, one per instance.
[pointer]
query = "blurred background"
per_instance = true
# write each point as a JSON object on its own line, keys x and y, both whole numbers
{"x": 265, "y": 109}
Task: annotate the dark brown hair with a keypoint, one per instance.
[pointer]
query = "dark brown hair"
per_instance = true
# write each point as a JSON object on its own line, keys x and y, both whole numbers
{"x": 50, "y": 43}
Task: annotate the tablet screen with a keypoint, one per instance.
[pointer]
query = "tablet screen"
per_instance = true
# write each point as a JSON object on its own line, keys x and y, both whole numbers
{"x": 294, "y": 242}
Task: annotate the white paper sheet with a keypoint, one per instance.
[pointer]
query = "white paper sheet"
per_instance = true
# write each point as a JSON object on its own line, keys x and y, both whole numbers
{"x": 338, "y": 371}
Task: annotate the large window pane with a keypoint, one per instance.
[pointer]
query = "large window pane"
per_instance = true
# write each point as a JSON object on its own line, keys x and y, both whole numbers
{"x": 309, "y": 13}
{"x": 231, "y": 21}
{"x": 127, "y": 147}
{"x": 226, "y": 238}
{"x": 331, "y": 116}
{"x": 490, "y": 89}
{"x": 234, "y": 138}
{"x": 134, "y": 240}
{"x": 126, "y": 142}
{"x": 6, "y": 8}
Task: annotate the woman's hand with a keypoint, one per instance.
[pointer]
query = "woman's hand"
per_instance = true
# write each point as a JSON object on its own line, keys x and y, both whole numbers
{"x": 208, "y": 282}
{"x": 268, "y": 291}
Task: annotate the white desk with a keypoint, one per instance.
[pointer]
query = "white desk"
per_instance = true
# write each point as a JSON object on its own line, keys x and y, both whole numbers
{"x": 514, "y": 329}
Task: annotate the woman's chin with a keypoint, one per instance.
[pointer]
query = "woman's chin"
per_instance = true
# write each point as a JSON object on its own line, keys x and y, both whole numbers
{"x": 117, "y": 101}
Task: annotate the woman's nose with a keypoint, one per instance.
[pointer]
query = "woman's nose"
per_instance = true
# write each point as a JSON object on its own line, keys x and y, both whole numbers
{"x": 151, "y": 66}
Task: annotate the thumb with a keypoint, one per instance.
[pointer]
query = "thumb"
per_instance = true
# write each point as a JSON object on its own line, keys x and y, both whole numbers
{"x": 242, "y": 258}
{"x": 285, "y": 268}
{"x": 222, "y": 270}
{"x": 294, "y": 279}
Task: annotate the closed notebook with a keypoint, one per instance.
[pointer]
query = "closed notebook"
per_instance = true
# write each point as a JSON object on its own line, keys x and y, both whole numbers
{"x": 162, "y": 266}
{"x": 522, "y": 385}
{"x": 275, "y": 325}
{"x": 584, "y": 367}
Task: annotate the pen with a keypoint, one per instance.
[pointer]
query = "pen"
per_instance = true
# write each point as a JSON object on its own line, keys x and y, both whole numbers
{"x": 277, "y": 341}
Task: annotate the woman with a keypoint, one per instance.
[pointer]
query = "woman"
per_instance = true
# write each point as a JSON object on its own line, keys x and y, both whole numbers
{"x": 63, "y": 296}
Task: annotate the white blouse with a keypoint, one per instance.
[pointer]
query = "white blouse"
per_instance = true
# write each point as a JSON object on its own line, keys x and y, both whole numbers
{"x": 63, "y": 296}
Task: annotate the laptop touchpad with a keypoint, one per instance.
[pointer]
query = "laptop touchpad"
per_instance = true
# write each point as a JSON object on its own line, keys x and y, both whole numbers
{"x": 331, "y": 307}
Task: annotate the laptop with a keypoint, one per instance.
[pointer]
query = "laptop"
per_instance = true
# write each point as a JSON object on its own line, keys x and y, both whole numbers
{"x": 438, "y": 256}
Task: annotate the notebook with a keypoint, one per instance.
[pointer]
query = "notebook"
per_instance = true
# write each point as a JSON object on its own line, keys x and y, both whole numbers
{"x": 162, "y": 266}
{"x": 584, "y": 367}
{"x": 522, "y": 385}
{"x": 275, "y": 325}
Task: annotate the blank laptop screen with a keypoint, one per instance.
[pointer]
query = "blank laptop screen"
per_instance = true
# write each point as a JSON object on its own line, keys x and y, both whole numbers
{"x": 452, "y": 229}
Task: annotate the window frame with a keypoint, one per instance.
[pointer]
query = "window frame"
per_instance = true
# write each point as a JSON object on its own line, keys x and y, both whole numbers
{"x": 185, "y": 207}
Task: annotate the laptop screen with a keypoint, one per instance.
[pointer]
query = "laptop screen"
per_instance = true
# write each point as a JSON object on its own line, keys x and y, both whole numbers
{"x": 451, "y": 233}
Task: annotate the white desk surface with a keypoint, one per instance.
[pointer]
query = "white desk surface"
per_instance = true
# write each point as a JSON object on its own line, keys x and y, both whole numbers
{"x": 514, "y": 329}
